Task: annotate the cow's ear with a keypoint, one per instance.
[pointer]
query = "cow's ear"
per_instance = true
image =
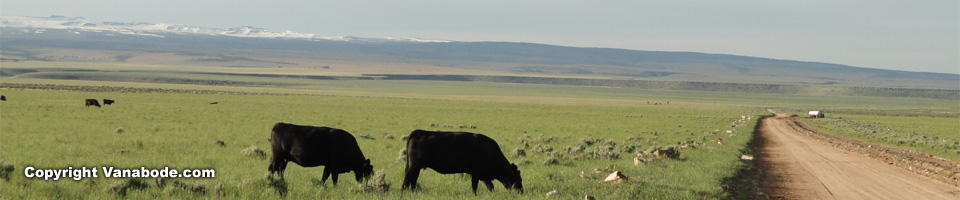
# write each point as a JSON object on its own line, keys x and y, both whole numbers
{"x": 367, "y": 161}
{"x": 514, "y": 166}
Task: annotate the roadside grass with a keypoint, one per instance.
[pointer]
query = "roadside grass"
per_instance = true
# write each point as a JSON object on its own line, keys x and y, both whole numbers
{"x": 52, "y": 129}
{"x": 934, "y": 135}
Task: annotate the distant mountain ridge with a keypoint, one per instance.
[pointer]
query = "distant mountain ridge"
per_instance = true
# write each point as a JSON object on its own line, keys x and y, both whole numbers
{"x": 158, "y": 29}
{"x": 20, "y": 35}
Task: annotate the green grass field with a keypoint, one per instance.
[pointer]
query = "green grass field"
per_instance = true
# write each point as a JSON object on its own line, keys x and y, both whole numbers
{"x": 936, "y": 135}
{"x": 51, "y": 128}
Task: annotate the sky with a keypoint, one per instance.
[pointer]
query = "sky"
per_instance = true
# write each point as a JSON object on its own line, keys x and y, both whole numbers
{"x": 920, "y": 36}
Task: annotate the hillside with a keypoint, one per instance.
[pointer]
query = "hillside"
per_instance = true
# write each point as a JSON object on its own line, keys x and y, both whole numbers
{"x": 165, "y": 47}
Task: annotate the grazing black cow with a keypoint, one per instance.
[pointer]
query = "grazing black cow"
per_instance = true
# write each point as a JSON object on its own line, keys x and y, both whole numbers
{"x": 107, "y": 101}
{"x": 310, "y": 146}
{"x": 93, "y": 102}
{"x": 3, "y": 98}
{"x": 459, "y": 152}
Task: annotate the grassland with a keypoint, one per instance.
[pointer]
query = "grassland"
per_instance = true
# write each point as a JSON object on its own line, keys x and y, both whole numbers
{"x": 53, "y": 129}
{"x": 307, "y": 78}
{"x": 932, "y": 134}
{"x": 47, "y": 126}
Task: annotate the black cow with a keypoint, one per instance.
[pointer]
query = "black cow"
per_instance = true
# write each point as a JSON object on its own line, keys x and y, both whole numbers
{"x": 93, "y": 102}
{"x": 107, "y": 101}
{"x": 3, "y": 98}
{"x": 459, "y": 152}
{"x": 310, "y": 146}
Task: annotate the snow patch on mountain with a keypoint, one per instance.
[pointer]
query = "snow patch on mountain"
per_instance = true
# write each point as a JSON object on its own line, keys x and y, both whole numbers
{"x": 158, "y": 29}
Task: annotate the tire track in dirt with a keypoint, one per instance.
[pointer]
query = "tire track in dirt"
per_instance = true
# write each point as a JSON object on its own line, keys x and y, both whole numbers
{"x": 796, "y": 166}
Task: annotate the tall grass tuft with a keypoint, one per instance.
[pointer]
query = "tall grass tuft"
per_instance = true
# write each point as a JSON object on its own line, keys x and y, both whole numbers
{"x": 376, "y": 184}
{"x": 121, "y": 187}
{"x": 5, "y": 170}
{"x": 254, "y": 151}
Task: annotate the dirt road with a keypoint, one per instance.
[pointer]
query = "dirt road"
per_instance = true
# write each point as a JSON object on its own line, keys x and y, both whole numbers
{"x": 799, "y": 167}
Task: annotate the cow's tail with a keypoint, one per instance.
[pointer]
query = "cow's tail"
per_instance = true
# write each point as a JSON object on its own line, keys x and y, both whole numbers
{"x": 407, "y": 176}
{"x": 406, "y": 153}
{"x": 407, "y": 149}
{"x": 276, "y": 161}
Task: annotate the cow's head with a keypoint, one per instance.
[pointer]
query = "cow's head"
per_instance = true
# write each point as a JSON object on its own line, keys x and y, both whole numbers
{"x": 512, "y": 179}
{"x": 363, "y": 171}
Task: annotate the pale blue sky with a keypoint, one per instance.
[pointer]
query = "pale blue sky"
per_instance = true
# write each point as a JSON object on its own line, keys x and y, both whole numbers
{"x": 901, "y": 35}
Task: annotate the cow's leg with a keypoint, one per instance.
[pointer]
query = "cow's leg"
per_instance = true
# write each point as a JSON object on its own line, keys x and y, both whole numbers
{"x": 277, "y": 165}
{"x": 273, "y": 165}
{"x": 335, "y": 176}
{"x": 326, "y": 174}
{"x": 410, "y": 178}
{"x": 489, "y": 185}
{"x": 473, "y": 183}
{"x": 283, "y": 167}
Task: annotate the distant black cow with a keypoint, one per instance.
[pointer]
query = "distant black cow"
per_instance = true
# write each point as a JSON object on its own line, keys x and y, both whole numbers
{"x": 459, "y": 152}
{"x": 93, "y": 102}
{"x": 3, "y": 98}
{"x": 107, "y": 101}
{"x": 310, "y": 146}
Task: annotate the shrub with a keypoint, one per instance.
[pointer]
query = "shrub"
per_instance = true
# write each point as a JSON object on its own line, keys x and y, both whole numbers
{"x": 377, "y": 183}
{"x": 551, "y": 161}
{"x": 518, "y": 152}
{"x": 575, "y": 150}
{"x": 196, "y": 189}
{"x": 5, "y": 170}
{"x": 278, "y": 184}
{"x": 121, "y": 187}
{"x": 254, "y": 151}
{"x": 523, "y": 139}
{"x": 542, "y": 148}
{"x": 402, "y": 155}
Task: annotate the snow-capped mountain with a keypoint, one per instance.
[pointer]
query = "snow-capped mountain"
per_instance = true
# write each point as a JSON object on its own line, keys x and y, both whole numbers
{"x": 158, "y": 29}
